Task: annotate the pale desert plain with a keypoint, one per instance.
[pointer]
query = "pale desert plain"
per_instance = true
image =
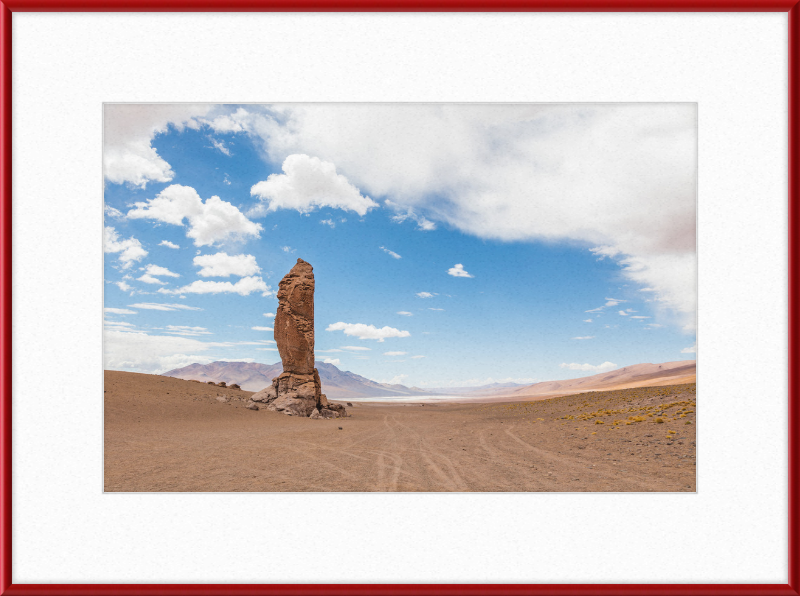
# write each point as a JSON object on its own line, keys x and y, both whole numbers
{"x": 168, "y": 434}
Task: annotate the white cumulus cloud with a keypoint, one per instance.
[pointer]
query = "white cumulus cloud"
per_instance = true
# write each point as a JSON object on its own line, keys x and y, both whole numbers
{"x": 261, "y": 328}
{"x": 222, "y": 264}
{"x": 168, "y": 244}
{"x": 209, "y": 222}
{"x": 354, "y": 349}
{"x": 458, "y": 271}
{"x": 112, "y": 212}
{"x": 590, "y": 367}
{"x": 405, "y": 313}
{"x": 362, "y": 331}
{"x": 308, "y": 183}
{"x": 160, "y": 271}
{"x": 690, "y": 350}
{"x": 334, "y": 361}
{"x": 425, "y": 295}
{"x": 395, "y": 353}
{"x": 130, "y": 250}
{"x": 585, "y": 337}
{"x": 149, "y": 279}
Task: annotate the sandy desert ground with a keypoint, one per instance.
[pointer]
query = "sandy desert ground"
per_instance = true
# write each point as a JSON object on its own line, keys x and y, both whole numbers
{"x": 167, "y": 434}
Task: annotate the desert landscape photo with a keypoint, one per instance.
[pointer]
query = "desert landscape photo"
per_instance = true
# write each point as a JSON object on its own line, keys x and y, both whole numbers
{"x": 400, "y": 298}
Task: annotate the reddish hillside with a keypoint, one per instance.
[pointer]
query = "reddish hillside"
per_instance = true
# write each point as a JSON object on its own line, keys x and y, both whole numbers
{"x": 637, "y": 375}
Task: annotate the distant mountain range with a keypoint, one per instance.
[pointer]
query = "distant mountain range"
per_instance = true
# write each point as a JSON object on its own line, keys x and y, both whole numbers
{"x": 252, "y": 376}
{"x": 342, "y": 385}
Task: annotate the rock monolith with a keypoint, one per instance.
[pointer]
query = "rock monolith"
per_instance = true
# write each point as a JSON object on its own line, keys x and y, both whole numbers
{"x": 297, "y": 391}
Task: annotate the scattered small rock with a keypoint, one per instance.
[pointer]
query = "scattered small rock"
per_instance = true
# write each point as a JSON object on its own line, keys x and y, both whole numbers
{"x": 338, "y": 408}
{"x": 222, "y": 384}
{"x": 251, "y": 406}
{"x": 235, "y": 386}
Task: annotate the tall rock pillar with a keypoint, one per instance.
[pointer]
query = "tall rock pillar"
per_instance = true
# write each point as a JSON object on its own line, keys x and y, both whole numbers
{"x": 297, "y": 391}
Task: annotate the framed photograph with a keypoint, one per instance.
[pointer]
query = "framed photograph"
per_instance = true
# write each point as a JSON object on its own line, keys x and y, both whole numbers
{"x": 399, "y": 299}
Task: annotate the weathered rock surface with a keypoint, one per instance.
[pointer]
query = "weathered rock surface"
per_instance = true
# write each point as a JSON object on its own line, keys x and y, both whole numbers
{"x": 297, "y": 390}
{"x": 251, "y": 406}
{"x": 296, "y": 395}
{"x": 294, "y": 320}
{"x": 266, "y": 395}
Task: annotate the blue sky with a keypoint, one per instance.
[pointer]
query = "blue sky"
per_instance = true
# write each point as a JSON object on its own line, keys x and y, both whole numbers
{"x": 451, "y": 245}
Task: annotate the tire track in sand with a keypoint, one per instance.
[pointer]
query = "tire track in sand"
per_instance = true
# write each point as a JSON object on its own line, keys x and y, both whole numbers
{"x": 451, "y": 479}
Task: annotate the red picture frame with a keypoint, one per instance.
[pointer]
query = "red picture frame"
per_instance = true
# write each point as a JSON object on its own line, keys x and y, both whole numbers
{"x": 7, "y": 7}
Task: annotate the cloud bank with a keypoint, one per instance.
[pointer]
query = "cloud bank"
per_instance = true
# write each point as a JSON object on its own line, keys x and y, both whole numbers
{"x": 619, "y": 178}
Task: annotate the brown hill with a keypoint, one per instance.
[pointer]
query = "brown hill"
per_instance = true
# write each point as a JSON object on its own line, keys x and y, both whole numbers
{"x": 637, "y": 375}
{"x": 251, "y": 376}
